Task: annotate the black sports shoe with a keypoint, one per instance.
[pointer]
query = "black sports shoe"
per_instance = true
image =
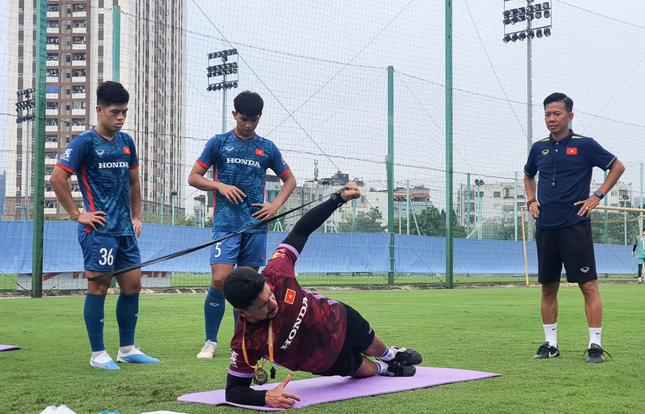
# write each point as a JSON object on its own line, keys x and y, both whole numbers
{"x": 395, "y": 370}
{"x": 402, "y": 363}
{"x": 596, "y": 352}
{"x": 405, "y": 356}
{"x": 546, "y": 351}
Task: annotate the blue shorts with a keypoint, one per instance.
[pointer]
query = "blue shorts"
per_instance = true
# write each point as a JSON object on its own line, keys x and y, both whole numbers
{"x": 105, "y": 253}
{"x": 246, "y": 249}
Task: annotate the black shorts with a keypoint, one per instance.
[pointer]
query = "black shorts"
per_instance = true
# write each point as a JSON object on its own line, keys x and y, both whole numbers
{"x": 358, "y": 338}
{"x": 571, "y": 245}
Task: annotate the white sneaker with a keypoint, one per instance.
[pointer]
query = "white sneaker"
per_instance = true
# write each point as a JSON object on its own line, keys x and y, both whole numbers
{"x": 103, "y": 361}
{"x": 208, "y": 350}
{"x": 136, "y": 356}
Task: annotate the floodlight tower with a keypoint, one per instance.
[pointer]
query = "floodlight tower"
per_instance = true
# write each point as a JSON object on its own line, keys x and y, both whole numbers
{"x": 480, "y": 230}
{"x": 540, "y": 13}
{"x": 27, "y": 104}
{"x": 224, "y": 69}
{"x": 537, "y": 12}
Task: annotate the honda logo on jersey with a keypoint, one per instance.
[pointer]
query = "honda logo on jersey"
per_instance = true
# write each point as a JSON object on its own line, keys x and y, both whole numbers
{"x": 126, "y": 150}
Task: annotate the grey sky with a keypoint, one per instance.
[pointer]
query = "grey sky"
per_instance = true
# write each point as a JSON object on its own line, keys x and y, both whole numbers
{"x": 329, "y": 59}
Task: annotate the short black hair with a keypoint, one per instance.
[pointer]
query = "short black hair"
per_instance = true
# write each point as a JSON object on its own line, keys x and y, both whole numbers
{"x": 249, "y": 104}
{"x": 560, "y": 97}
{"x": 242, "y": 286}
{"x": 110, "y": 92}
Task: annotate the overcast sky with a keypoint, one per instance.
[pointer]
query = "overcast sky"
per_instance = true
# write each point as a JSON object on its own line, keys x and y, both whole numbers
{"x": 321, "y": 67}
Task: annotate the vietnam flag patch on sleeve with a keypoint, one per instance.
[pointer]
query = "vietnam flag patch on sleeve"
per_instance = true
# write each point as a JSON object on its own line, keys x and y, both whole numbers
{"x": 572, "y": 151}
{"x": 126, "y": 150}
{"x": 290, "y": 297}
{"x": 259, "y": 152}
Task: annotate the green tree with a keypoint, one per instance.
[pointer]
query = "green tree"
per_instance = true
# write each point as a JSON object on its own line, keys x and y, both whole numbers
{"x": 493, "y": 230}
{"x": 370, "y": 222}
{"x": 432, "y": 222}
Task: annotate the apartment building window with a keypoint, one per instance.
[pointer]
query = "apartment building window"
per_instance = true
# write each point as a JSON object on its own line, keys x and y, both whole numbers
{"x": 79, "y": 72}
{"x": 79, "y": 40}
{"x": 78, "y": 89}
{"x": 79, "y": 24}
{"x": 78, "y": 105}
{"x": 52, "y": 105}
{"x": 52, "y": 8}
{"x": 100, "y": 26}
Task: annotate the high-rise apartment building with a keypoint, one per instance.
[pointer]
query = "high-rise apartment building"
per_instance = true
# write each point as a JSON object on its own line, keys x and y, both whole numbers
{"x": 81, "y": 44}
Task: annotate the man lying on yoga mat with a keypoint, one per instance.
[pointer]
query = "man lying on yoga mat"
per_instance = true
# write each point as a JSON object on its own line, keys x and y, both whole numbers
{"x": 298, "y": 329}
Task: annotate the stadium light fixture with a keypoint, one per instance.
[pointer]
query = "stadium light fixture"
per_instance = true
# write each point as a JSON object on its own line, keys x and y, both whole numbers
{"x": 229, "y": 73}
{"x": 530, "y": 14}
{"x": 537, "y": 17}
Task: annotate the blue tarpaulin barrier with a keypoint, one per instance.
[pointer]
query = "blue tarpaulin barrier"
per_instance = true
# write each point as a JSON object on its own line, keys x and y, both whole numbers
{"x": 324, "y": 252}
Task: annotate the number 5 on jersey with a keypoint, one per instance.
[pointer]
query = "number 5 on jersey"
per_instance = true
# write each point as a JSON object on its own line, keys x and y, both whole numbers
{"x": 218, "y": 251}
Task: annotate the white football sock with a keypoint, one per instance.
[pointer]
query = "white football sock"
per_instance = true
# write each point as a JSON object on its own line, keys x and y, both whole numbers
{"x": 551, "y": 334}
{"x": 382, "y": 367}
{"x": 388, "y": 355}
{"x": 594, "y": 336}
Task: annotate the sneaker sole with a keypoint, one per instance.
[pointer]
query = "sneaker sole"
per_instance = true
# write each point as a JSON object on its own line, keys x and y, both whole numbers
{"x": 209, "y": 356}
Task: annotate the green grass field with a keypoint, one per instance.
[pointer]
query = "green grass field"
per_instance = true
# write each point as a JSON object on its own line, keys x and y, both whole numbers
{"x": 486, "y": 329}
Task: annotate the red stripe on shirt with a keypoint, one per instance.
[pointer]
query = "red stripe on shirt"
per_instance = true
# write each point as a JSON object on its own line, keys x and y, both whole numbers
{"x": 282, "y": 175}
{"x": 90, "y": 199}
{"x": 214, "y": 198}
{"x": 133, "y": 167}
{"x": 203, "y": 165}
{"x": 69, "y": 170}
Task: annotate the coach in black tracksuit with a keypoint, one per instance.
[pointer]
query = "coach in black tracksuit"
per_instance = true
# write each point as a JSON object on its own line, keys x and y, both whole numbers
{"x": 562, "y": 209}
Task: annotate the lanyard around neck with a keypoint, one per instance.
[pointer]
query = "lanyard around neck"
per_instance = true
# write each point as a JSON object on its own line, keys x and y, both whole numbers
{"x": 246, "y": 358}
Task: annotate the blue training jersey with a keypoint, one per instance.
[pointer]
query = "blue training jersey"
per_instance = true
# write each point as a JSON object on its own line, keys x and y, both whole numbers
{"x": 639, "y": 243}
{"x": 102, "y": 168}
{"x": 243, "y": 164}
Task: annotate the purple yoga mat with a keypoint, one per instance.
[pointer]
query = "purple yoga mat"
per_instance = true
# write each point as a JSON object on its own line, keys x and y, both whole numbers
{"x": 326, "y": 389}
{"x": 8, "y": 347}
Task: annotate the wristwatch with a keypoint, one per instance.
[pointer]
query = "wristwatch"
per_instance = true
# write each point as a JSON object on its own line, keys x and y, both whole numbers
{"x": 599, "y": 194}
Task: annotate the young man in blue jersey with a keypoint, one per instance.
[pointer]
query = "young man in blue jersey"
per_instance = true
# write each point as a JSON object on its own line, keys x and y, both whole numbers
{"x": 240, "y": 158}
{"x": 106, "y": 165}
{"x": 639, "y": 252}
